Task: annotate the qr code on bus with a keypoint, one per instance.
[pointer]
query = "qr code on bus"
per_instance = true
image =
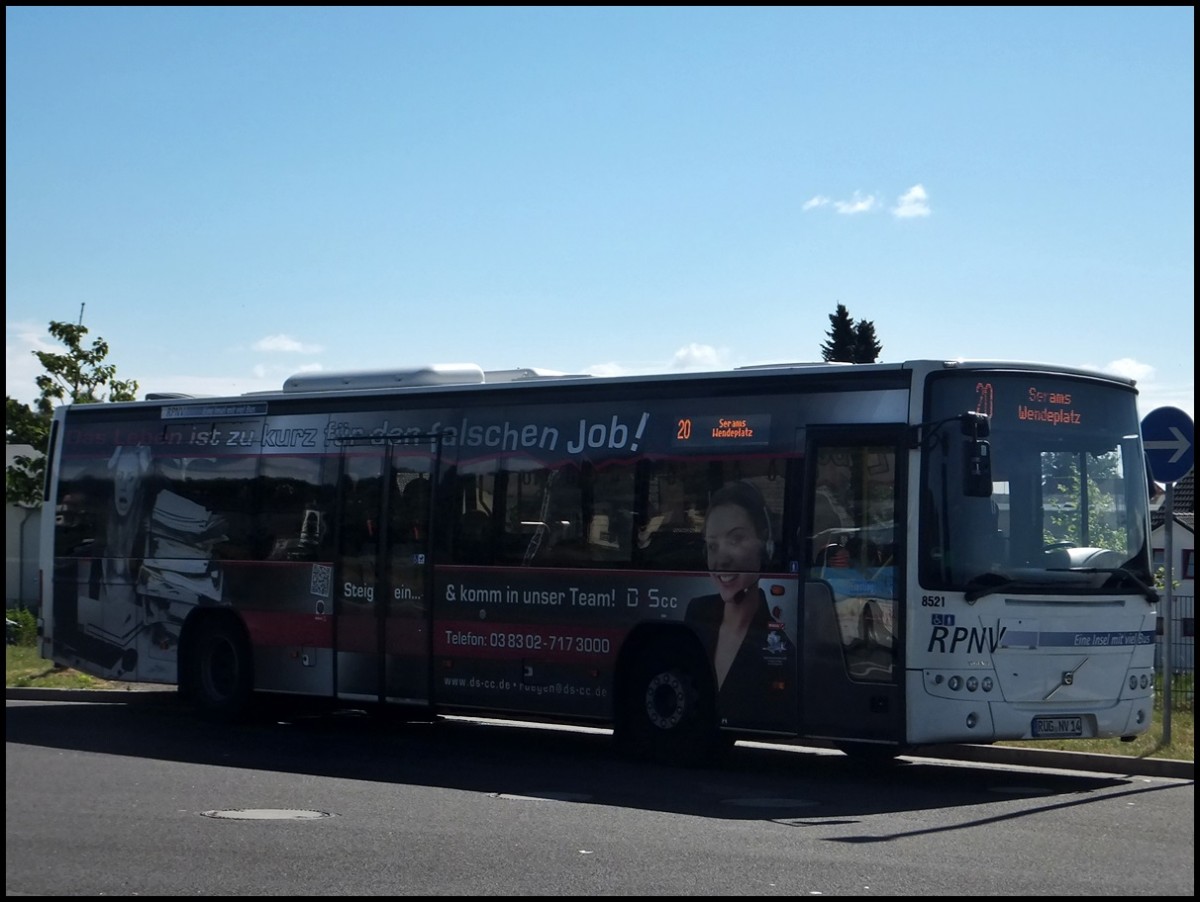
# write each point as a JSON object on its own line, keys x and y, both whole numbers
{"x": 322, "y": 575}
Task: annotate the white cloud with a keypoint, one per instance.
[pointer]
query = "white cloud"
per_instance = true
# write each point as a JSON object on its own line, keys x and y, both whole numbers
{"x": 285, "y": 344}
{"x": 606, "y": 369}
{"x": 913, "y": 202}
{"x": 21, "y": 367}
{"x": 857, "y": 204}
{"x": 1153, "y": 392}
{"x": 693, "y": 357}
{"x": 1130, "y": 369}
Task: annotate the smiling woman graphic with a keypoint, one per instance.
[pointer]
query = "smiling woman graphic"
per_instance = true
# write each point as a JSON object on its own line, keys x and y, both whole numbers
{"x": 746, "y": 645}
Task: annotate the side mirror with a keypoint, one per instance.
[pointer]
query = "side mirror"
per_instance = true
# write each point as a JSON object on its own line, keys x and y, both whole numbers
{"x": 977, "y": 469}
{"x": 975, "y": 424}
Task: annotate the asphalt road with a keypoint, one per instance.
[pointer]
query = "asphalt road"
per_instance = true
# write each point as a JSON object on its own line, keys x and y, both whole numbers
{"x": 123, "y": 798}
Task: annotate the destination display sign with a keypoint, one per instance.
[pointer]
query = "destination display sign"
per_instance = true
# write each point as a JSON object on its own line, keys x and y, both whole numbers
{"x": 722, "y": 430}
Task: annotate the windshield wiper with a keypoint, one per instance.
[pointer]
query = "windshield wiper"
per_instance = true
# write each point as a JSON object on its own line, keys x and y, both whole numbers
{"x": 986, "y": 584}
{"x": 1149, "y": 591}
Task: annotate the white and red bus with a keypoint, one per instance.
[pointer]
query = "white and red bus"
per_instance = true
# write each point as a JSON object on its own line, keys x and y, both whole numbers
{"x": 885, "y": 556}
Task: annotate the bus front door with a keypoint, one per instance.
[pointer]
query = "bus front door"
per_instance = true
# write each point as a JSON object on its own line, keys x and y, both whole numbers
{"x": 382, "y": 612}
{"x": 852, "y": 667}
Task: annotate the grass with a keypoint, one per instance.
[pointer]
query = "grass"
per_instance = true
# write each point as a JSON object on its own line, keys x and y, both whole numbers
{"x": 24, "y": 668}
{"x": 1149, "y": 745}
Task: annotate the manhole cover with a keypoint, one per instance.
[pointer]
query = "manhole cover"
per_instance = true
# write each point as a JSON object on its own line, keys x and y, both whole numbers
{"x": 266, "y": 814}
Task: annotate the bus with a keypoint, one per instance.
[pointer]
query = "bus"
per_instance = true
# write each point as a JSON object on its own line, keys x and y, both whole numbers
{"x": 882, "y": 557}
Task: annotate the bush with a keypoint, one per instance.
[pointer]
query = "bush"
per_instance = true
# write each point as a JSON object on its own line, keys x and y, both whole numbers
{"x": 21, "y": 627}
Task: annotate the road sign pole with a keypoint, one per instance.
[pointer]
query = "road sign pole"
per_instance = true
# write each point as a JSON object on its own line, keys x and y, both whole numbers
{"x": 1168, "y": 437}
{"x": 1167, "y": 657}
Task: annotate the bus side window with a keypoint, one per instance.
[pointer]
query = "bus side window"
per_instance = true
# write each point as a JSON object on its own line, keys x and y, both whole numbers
{"x": 675, "y": 549}
{"x": 672, "y": 537}
{"x": 473, "y": 538}
{"x": 412, "y": 512}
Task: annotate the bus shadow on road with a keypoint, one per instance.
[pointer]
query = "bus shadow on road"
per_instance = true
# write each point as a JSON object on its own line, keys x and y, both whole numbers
{"x": 511, "y": 759}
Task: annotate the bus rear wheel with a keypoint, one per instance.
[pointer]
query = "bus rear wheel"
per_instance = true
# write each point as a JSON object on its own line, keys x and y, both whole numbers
{"x": 220, "y": 679}
{"x": 668, "y": 709}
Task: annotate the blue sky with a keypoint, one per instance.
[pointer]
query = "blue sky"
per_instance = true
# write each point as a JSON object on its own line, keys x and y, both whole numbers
{"x": 235, "y": 195}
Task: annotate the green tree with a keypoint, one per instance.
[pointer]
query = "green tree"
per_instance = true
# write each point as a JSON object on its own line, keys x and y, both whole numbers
{"x": 866, "y": 345}
{"x": 1081, "y": 501}
{"x": 840, "y": 346}
{"x": 77, "y": 376}
{"x": 850, "y": 341}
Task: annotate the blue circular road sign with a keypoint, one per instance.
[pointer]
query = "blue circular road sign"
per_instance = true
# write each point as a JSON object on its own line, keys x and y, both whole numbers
{"x": 1168, "y": 435}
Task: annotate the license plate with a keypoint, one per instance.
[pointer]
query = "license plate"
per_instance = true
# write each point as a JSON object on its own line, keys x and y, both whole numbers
{"x": 1057, "y": 727}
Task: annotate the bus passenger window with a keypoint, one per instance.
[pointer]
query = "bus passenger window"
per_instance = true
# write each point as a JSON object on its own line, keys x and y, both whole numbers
{"x": 473, "y": 542}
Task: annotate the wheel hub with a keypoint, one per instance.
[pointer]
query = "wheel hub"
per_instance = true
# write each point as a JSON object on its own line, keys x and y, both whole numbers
{"x": 665, "y": 701}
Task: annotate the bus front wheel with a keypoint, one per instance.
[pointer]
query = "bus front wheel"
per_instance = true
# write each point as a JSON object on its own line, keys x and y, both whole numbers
{"x": 668, "y": 710}
{"x": 220, "y": 681}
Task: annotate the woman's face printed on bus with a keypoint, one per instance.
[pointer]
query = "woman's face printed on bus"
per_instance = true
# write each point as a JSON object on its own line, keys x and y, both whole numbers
{"x": 735, "y": 550}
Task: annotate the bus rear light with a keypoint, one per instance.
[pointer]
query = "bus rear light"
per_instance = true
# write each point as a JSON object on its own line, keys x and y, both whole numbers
{"x": 987, "y": 684}
{"x": 972, "y": 720}
{"x": 955, "y": 683}
{"x": 972, "y": 684}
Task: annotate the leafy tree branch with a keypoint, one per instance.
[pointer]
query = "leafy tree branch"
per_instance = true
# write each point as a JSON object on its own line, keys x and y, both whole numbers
{"x": 77, "y": 375}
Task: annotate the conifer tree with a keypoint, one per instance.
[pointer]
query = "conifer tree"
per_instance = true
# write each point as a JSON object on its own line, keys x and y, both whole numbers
{"x": 866, "y": 346}
{"x": 841, "y": 344}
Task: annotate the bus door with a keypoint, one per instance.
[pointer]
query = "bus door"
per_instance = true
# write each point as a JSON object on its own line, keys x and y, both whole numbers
{"x": 382, "y": 611}
{"x": 852, "y": 648}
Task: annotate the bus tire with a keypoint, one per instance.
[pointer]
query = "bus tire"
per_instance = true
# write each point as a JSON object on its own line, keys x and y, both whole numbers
{"x": 220, "y": 681}
{"x": 668, "y": 712}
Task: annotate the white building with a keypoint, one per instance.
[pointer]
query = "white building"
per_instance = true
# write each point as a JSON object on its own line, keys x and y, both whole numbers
{"x": 1183, "y": 568}
{"x": 22, "y": 527}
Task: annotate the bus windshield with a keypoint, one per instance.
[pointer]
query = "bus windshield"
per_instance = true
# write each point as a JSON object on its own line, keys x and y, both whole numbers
{"x": 1067, "y": 512}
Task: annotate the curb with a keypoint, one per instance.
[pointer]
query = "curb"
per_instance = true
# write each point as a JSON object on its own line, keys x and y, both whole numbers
{"x": 127, "y": 696}
{"x": 1130, "y": 766}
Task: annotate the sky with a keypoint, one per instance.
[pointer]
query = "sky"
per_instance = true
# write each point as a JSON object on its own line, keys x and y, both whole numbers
{"x": 230, "y": 196}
